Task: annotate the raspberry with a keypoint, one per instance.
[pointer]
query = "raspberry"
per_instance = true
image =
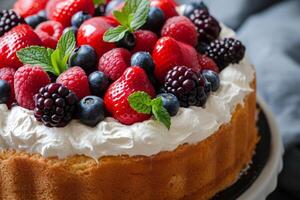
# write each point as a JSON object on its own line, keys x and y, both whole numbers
{"x": 49, "y": 32}
{"x": 8, "y": 20}
{"x": 206, "y": 63}
{"x": 187, "y": 85}
{"x": 7, "y": 74}
{"x": 208, "y": 27}
{"x": 145, "y": 41}
{"x": 225, "y": 52}
{"x": 55, "y": 105}
{"x": 27, "y": 82}
{"x": 75, "y": 80}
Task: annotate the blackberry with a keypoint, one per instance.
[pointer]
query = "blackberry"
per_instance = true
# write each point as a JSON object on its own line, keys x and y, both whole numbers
{"x": 55, "y": 105}
{"x": 186, "y": 85}
{"x": 8, "y": 20}
{"x": 100, "y": 10}
{"x": 225, "y": 52}
{"x": 208, "y": 27}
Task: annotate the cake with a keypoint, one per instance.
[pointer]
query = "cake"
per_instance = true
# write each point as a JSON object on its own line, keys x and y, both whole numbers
{"x": 143, "y": 104}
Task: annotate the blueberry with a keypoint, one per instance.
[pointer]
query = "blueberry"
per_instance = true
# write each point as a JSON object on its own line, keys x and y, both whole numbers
{"x": 213, "y": 78}
{"x": 128, "y": 41}
{"x": 143, "y": 60}
{"x": 170, "y": 103}
{"x": 72, "y": 28}
{"x": 91, "y": 110}
{"x": 34, "y": 20}
{"x": 79, "y": 17}
{"x": 155, "y": 20}
{"x": 84, "y": 56}
{"x": 207, "y": 87}
{"x": 4, "y": 91}
{"x": 98, "y": 83}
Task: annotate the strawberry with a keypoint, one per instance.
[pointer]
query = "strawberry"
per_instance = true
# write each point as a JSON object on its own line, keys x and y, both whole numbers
{"x": 169, "y": 53}
{"x": 114, "y": 62}
{"x": 181, "y": 29}
{"x": 145, "y": 41}
{"x": 91, "y": 33}
{"x": 27, "y": 82}
{"x": 17, "y": 38}
{"x": 49, "y": 32}
{"x": 63, "y": 10}
{"x": 116, "y": 98}
{"x": 7, "y": 74}
{"x": 75, "y": 80}
{"x": 111, "y": 21}
{"x": 206, "y": 63}
{"x": 27, "y": 8}
{"x": 166, "y": 6}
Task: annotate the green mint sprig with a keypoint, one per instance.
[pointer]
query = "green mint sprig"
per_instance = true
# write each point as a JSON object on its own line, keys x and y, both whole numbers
{"x": 141, "y": 102}
{"x": 99, "y": 2}
{"x": 54, "y": 61}
{"x": 132, "y": 17}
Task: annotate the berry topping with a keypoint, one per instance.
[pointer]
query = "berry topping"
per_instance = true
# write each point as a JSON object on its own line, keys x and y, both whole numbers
{"x": 84, "y": 56}
{"x": 225, "y": 52}
{"x": 114, "y": 63}
{"x": 128, "y": 41}
{"x": 26, "y": 8}
{"x": 7, "y": 74}
{"x": 27, "y": 82}
{"x": 116, "y": 98}
{"x": 206, "y": 63}
{"x": 100, "y": 10}
{"x": 71, "y": 28}
{"x": 5, "y": 91}
{"x": 168, "y": 7}
{"x": 49, "y": 32}
{"x": 54, "y": 105}
{"x": 191, "y": 7}
{"x": 91, "y": 110}
{"x": 213, "y": 78}
{"x": 181, "y": 29}
{"x": 99, "y": 83}
{"x": 8, "y": 20}
{"x": 143, "y": 60}
{"x": 155, "y": 19}
{"x": 35, "y": 20}
{"x": 79, "y": 18}
{"x": 75, "y": 79}
{"x": 186, "y": 85}
{"x": 170, "y": 103}
{"x": 145, "y": 41}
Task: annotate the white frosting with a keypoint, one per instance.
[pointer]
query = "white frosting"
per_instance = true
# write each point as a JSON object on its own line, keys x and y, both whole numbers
{"x": 20, "y": 131}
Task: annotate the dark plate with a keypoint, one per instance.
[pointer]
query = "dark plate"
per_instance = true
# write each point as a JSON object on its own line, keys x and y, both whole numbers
{"x": 259, "y": 161}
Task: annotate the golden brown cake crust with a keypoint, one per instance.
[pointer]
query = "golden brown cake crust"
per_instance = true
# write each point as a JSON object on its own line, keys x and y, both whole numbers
{"x": 191, "y": 172}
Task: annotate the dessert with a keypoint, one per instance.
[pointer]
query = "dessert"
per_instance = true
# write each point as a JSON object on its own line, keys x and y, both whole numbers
{"x": 139, "y": 103}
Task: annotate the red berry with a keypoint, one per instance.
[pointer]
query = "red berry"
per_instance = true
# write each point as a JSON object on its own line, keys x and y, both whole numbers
{"x": 206, "y": 63}
{"x": 49, "y": 32}
{"x": 91, "y": 33}
{"x": 181, "y": 29}
{"x": 145, "y": 41}
{"x": 114, "y": 63}
{"x": 27, "y": 82}
{"x": 75, "y": 80}
{"x": 17, "y": 38}
{"x": 116, "y": 98}
{"x": 169, "y": 53}
{"x": 7, "y": 74}
{"x": 111, "y": 21}
{"x": 63, "y": 10}
{"x": 166, "y": 6}
{"x": 27, "y": 8}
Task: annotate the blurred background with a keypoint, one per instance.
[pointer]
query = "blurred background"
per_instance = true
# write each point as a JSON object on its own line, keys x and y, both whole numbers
{"x": 270, "y": 29}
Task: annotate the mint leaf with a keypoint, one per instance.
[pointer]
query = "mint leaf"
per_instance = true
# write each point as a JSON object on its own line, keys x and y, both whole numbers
{"x": 140, "y": 14}
{"x": 98, "y": 2}
{"x": 36, "y": 55}
{"x": 140, "y": 102}
{"x": 162, "y": 115}
{"x": 115, "y": 34}
{"x": 121, "y": 17}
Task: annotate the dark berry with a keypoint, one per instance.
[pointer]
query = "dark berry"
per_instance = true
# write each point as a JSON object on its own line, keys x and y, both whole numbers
{"x": 170, "y": 103}
{"x": 207, "y": 87}
{"x": 143, "y": 60}
{"x": 8, "y": 20}
{"x": 85, "y": 57}
{"x": 55, "y": 105}
{"x": 91, "y": 110}
{"x": 225, "y": 52}
{"x": 79, "y": 17}
{"x": 186, "y": 85}
{"x": 100, "y": 10}
{"x": 4, "y": 91}
{"x": 213, "y": 78}
{"x": 43, "y": 14}
{"x": 128, "y": 41}
{"x": 72, "y": 28}
{"x": 189, "y": 8}
{"x": 34, "y": 20}
{"x": 98, "y": 83}
{"x": 155, "y": 20}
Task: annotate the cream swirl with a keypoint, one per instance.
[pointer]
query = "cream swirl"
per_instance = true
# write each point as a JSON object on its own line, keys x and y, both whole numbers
{"x": 20, "y": 131}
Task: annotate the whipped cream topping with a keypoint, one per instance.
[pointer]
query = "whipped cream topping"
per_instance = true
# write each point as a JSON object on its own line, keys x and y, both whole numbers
{"x": 20, "y": 131}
